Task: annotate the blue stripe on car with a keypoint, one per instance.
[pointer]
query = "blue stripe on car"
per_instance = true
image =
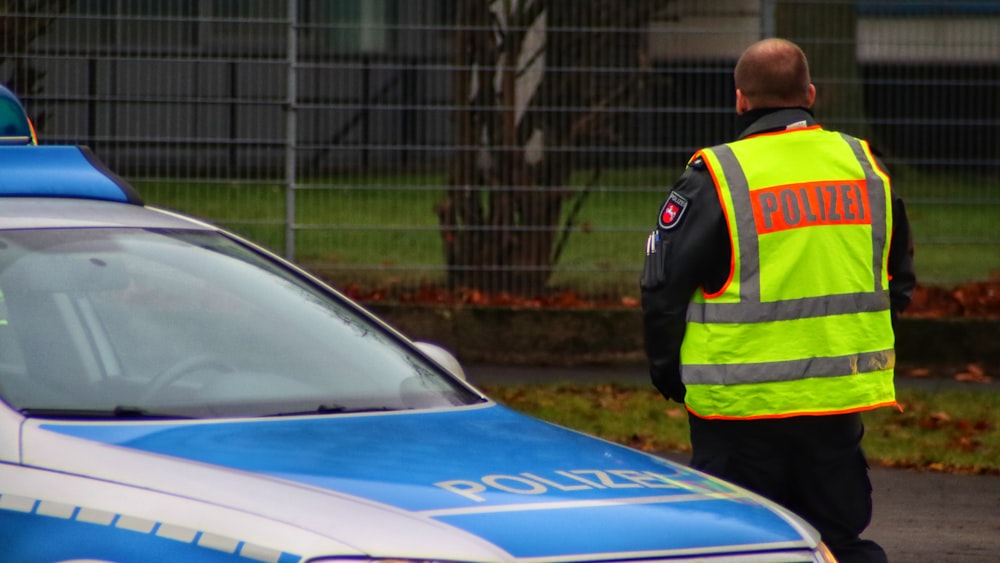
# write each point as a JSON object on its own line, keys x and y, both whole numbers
{"x": 85, "y": 533}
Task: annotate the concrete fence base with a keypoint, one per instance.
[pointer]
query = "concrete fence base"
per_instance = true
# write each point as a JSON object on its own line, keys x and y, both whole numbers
{"x": 568, "y": 337}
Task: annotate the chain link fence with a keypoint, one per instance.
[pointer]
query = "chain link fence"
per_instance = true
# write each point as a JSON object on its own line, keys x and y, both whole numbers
{"x": 497, "y": 145}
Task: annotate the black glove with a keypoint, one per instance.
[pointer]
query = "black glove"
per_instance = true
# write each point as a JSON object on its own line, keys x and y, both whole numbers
{"x": 670, "y": 387}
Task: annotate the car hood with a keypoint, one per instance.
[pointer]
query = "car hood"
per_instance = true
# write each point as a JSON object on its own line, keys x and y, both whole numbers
{"x": 533, "y": 489}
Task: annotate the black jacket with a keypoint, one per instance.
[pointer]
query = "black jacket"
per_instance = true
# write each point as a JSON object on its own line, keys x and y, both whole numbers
{"x": 693, "y": 252}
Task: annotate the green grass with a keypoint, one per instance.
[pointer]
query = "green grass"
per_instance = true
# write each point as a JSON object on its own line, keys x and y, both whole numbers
{"x": 383, "y": 230}
{"x": 955, "y": 220}
{"x": 954, "y": 431}
{"x": 940, "y": 430}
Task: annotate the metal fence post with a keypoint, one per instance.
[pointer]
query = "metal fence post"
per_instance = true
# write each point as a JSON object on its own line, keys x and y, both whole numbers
{"x": 291, "y": 130}
{"x": 767, "y": 26}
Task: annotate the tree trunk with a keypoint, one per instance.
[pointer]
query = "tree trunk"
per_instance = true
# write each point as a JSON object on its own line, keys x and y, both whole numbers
{"x": 502, "y": 216}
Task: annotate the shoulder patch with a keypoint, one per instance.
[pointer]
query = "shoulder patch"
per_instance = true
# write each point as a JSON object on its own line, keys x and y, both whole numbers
{"x": 672, "y": 211}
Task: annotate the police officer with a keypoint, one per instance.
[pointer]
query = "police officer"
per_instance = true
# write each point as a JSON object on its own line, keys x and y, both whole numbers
{"x": 770, "y": 284}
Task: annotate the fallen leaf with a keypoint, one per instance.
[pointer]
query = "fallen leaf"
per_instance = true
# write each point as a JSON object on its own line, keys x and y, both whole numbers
{"x": 973, "y": 374}
{"x": 934, "y": 420}
{"x": 967, "y": 444}
{"x": 941, "y": 416}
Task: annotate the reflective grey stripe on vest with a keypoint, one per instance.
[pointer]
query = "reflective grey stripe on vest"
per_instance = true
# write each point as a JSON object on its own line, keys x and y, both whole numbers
{"x": 739, "y": 191}
{"x": 767, "y": 372}
{"x": 878, "y": 207}
{"x": 750, "y": 309}
{"x": 789, "y": 309}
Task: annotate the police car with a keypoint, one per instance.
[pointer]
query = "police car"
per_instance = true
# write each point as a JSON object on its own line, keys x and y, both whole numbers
{"x": 172, "y": 392}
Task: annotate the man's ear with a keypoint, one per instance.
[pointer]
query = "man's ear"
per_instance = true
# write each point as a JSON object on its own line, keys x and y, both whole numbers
{"x": 812, "y": 95}
{"x": 742, "y": 105}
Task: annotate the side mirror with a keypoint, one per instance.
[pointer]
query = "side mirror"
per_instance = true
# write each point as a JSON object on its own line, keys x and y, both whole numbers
{"x": 443, "y": 358}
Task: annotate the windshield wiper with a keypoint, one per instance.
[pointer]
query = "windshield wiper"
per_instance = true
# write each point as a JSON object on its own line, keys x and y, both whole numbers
{"x": 333, "y": 409}
{"x": 120, "y": 411}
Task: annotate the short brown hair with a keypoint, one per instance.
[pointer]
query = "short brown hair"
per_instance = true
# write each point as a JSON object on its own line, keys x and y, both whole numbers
{"x": 773, "y": 73}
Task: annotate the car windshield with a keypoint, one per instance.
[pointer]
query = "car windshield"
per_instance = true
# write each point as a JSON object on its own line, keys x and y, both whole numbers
{"x": 131, "y": 322}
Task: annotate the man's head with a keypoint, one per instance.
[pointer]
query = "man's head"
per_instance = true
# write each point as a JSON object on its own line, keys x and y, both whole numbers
{"x": 773, "y": 73}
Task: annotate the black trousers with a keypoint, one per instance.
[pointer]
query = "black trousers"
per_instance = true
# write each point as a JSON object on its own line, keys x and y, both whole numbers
{"x": 812, "y": 465}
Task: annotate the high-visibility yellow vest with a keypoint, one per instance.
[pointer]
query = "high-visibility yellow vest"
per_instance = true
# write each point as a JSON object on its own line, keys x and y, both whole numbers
{"x": 802, "y": 326}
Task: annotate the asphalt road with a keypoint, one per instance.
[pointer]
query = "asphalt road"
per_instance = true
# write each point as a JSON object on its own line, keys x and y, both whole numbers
{"x": 919, "y": 517}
